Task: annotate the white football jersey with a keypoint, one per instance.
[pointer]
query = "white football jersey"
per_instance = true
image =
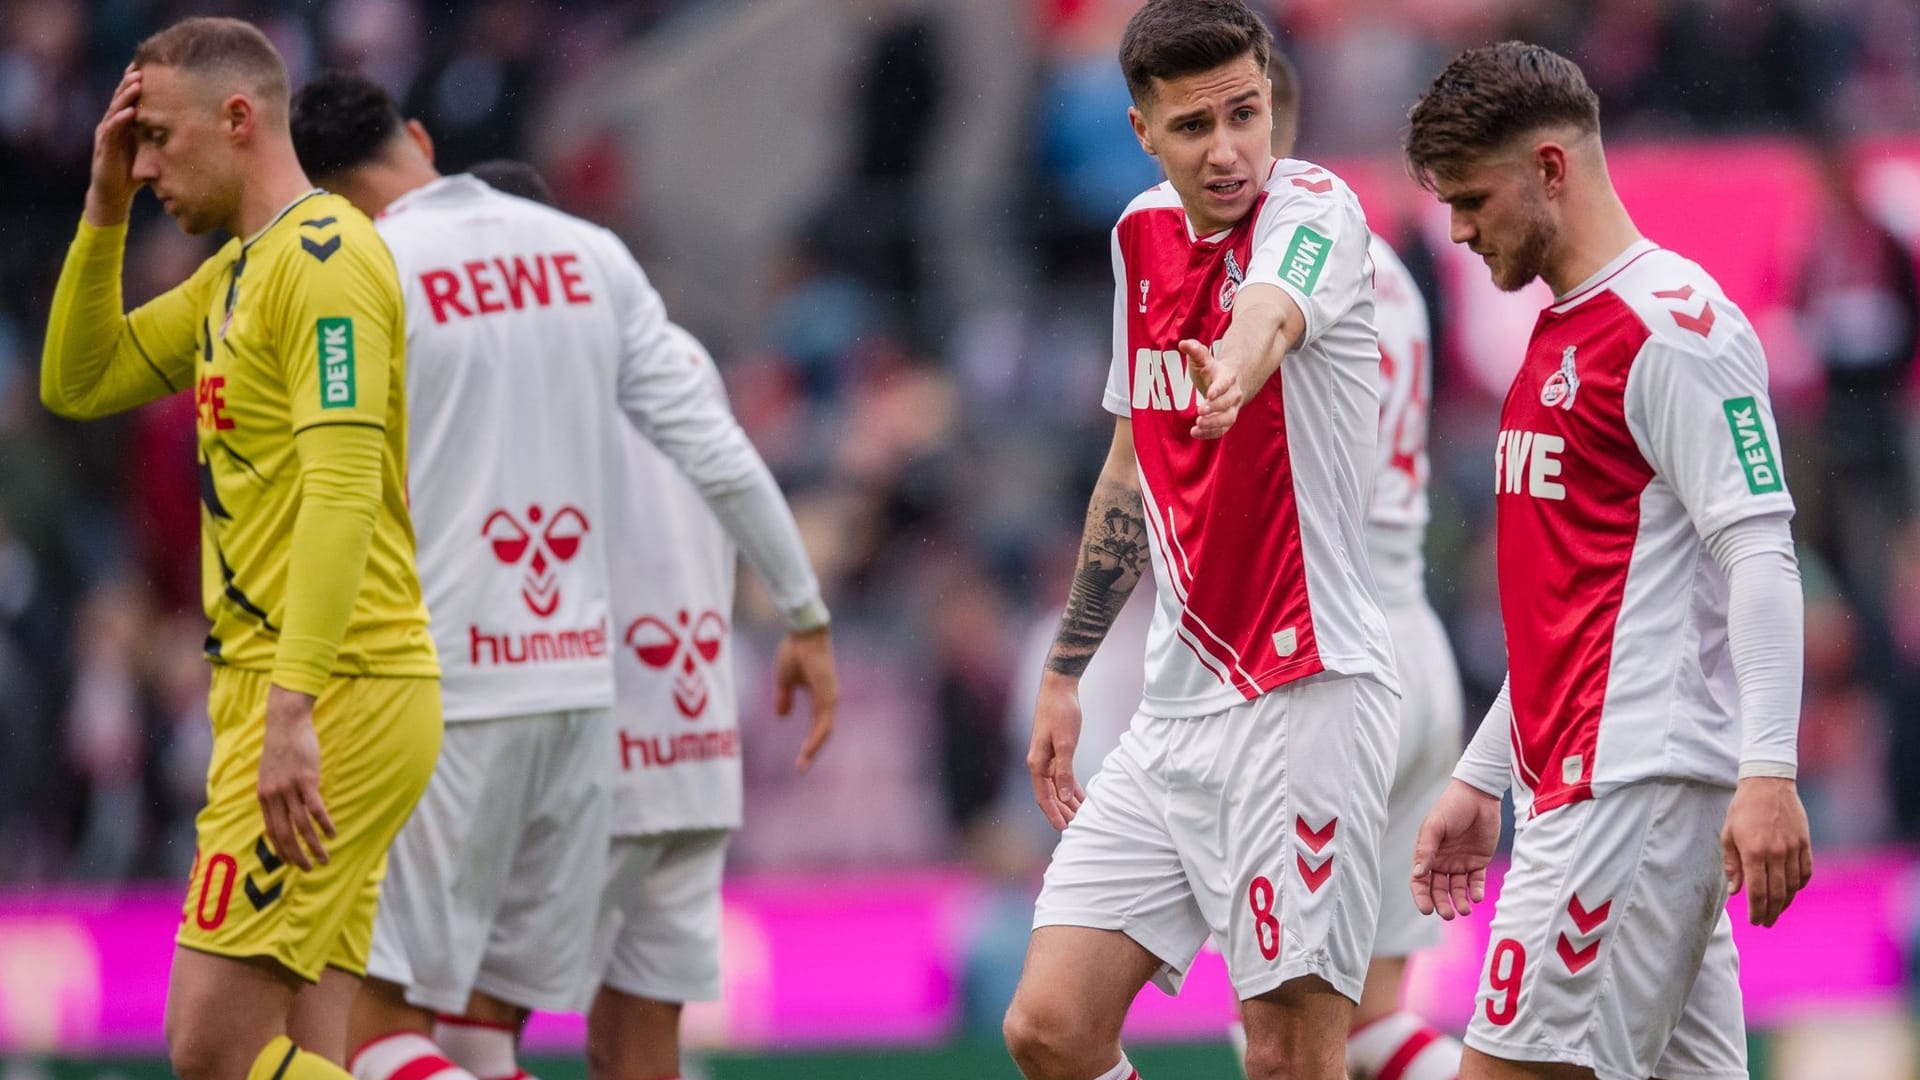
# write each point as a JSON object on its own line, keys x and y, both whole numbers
{"x": 1397, "y": 513}
{"x": 1257, "y": 538}
{"x": 529, "y": 333}
{"x": 1638, "y": 424}
{"x": 677, "y": 702}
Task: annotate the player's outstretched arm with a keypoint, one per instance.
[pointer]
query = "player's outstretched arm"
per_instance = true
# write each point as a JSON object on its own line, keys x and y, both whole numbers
{"x": 1267, "y": 325}
{"x": 1113, "y": 555}
{"x": 93, "y": 362}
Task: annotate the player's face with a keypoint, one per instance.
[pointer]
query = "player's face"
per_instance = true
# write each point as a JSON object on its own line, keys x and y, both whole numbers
{"x": 185, "y": 150}
{"x": 1212, "y": 132}
{"x": 1500, "y": 213}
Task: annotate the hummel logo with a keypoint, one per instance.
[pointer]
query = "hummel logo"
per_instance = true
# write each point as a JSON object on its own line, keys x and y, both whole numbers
{"x": 1144, "y": 286}
{"x": 322, "y": 251}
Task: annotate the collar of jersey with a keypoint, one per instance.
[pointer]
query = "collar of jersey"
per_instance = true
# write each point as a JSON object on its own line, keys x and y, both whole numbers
{"x": 455, "y": 183}
{"x": 284, "y": 211}
{"x": 1586, "y": 289}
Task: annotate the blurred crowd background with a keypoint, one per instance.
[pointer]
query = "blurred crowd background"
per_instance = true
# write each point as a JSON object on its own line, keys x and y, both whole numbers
{"x": 888, "y": 218}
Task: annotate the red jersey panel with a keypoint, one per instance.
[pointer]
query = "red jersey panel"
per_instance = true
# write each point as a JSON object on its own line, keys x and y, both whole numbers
{"x": 1638, "y": 424}
{"x": 1256, "y": 538}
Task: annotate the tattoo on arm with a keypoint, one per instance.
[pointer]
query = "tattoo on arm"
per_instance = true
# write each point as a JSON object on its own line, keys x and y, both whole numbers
{"x": 1113, "y": 555}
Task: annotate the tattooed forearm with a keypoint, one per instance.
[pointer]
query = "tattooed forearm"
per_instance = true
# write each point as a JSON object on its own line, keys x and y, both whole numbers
{"x": 1113, "y": 555}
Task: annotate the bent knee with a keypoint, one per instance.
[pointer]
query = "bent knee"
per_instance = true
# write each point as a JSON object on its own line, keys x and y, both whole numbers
{"x": 1048, "y": 1039}
{"x": 197, "y": 1054}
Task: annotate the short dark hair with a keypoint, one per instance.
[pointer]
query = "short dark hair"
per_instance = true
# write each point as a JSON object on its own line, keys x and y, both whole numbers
{"x": 1489, "y": 96}
{"x": 206, "y": 45}
{"x": 1166, "y": 39}
{"x": 514, "y": 178}
{"x": 341, "y": 120}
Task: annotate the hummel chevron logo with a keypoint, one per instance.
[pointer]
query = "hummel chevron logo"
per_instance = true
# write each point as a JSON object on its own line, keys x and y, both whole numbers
{"x": 1701, "y": 324}
{"x": 258, "y": 898}
{"x": 1315, "y": 840}
{"x": 319, "y": 223}
{"x": 1587, "y": 921}
{"x": 1318, "y": 187}
{"x": 268, "y": 860}
{"x": 1314, "y": 876}
{"x": 1576, "y": 959}
{"x": 322, "y": 251}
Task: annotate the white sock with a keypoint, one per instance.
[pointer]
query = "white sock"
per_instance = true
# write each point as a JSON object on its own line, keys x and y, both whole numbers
{"x": 404, "y": 1055}
{"x": 1122, "y": 1071}
{"x": 483, "y": 1049}
{"x": 1402, "y": 1047}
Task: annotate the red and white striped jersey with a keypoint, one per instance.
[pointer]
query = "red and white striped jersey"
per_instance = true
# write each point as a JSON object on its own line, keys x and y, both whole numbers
{"x": 677, "y": 701}
{"x": 1257, "y": 539}
{"x": 1638, "y": 424}
{"x": 1397, "y": 514}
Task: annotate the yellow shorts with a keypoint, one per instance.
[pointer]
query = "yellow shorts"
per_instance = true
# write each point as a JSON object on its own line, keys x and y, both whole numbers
{"x": 379, "y": 739}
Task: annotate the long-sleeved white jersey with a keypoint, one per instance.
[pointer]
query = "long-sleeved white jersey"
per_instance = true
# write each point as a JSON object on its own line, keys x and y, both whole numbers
{"x": 529, "y": 333}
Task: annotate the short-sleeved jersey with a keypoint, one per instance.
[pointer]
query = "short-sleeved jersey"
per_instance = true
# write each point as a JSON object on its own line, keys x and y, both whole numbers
{"x": 298, "y": 326}
{"x": 1397, "y": 514}
{"x": 530, "y": 331}
{"x": 677, "y": 701}
{"x": 1256, "y": 538}
{"x": 1638, "y": 425}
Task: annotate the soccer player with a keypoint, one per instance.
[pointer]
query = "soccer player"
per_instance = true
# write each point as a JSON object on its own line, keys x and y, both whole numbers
{"x": 325, "y": 705}
{"x": 1652, "y": 609}
{"x": 1248, "y": 798}
{"x": 677, "y": 793}
{"x": 677, "y": 790}
{"x": 532, "y": 333}
{"x": 1388, "y": 1042}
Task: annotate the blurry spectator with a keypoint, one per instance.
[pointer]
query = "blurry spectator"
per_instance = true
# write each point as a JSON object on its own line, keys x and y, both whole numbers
{"x": 478, "y": 98}
{"x": 105, "y": 731}
{"x": 1860, "y": 311}
{"x": 973, "y": 648}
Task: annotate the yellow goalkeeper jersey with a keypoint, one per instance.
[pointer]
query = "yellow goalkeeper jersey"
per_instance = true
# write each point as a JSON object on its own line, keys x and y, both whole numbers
{"x": 300, "y": 326}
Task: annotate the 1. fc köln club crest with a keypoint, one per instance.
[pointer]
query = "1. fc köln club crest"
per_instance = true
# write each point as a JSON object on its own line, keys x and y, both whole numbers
{"x": 689, "y": 650}
{"x": 539, "y": 545}
{"x": 1562, "y": 385}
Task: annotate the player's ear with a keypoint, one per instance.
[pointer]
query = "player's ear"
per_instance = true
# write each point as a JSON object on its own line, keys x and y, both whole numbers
{"x": 418, "y": 133}
{"x": 1550, "y": 165}
{"x": 1139, "y": 121}
{"x": 237, "y": 115}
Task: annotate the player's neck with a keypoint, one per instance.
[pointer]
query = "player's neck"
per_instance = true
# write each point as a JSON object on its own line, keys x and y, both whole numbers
{"x": 1591, "y": 236}
{"x": 273, "y": 183}
{"x": 388, "y": 184}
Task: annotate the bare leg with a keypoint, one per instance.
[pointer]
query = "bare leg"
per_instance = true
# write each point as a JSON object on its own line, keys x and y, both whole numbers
{"x": 318, "y": 1022}
{"x": 1380, "y": 996}
{"x": 632, "y": 1038}
{"x": 222, "y": 1012}
{"x": 1064, "y": 1023}
{"x": 1298, "y": 1031}
{"x": 380, "y": 1008}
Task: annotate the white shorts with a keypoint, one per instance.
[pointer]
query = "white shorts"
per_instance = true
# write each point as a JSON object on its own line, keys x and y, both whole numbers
{"x": 1612, "y": 948}
{"x": 1259, "y": 825}
{"x": 1430, "y": 729}
{"x": 494, "y": 882}
{"x": 659, "y": 930}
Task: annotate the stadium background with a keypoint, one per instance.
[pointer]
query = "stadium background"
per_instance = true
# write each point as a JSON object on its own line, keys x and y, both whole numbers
{"x": 888, "y": 218}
